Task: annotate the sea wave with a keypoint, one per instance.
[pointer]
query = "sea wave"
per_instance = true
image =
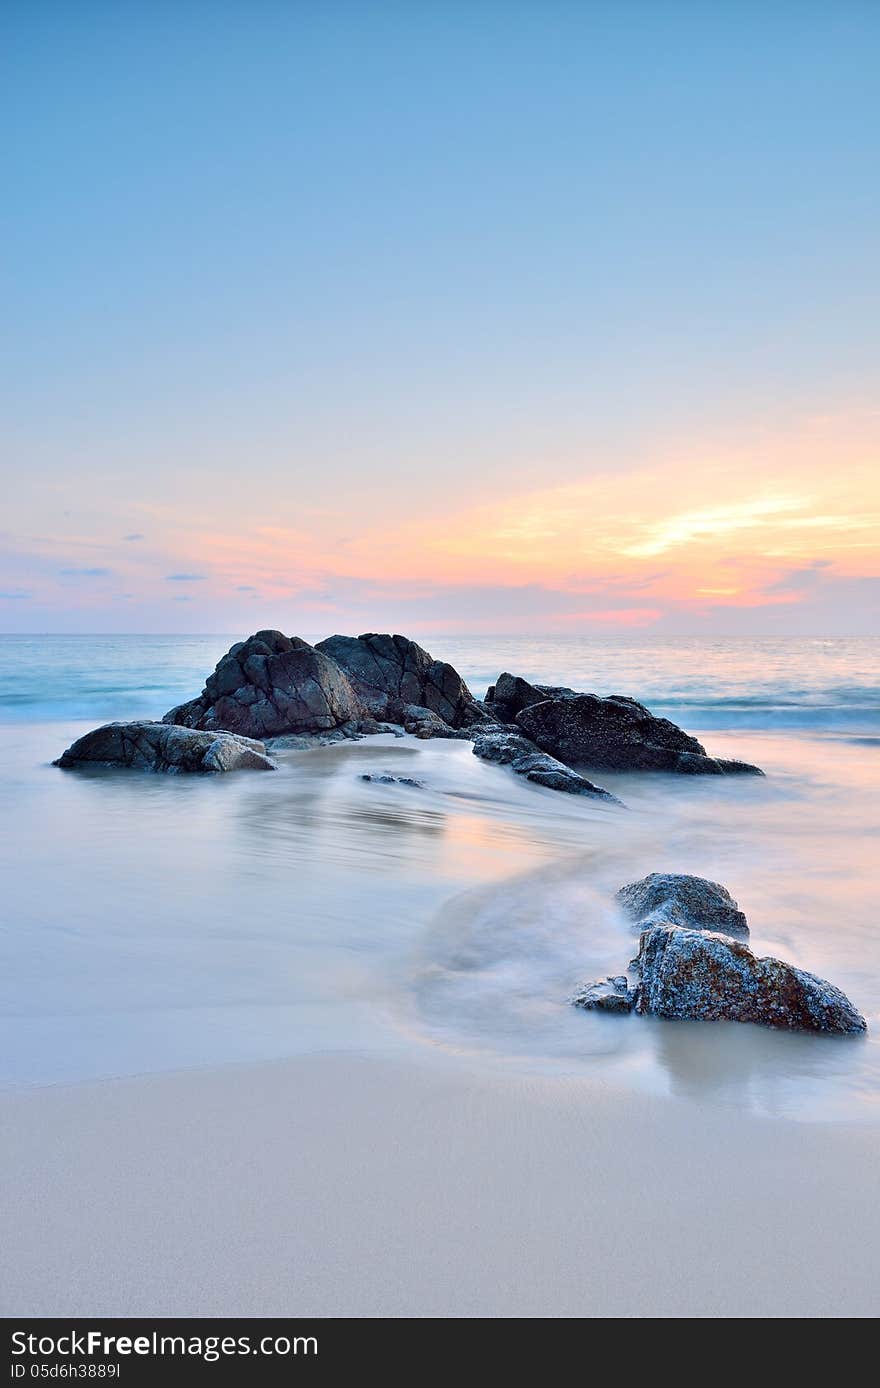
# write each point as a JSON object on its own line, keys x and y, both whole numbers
{"x": 795, "y": 685}
{"x": 775, "y": 716}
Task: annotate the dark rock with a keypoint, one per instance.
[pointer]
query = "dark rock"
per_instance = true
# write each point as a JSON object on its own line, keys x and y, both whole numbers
{"x": 689, "y": 973}
{"x": 185, "y": 715}
{"x": 371, "y": 727}
{"x": 423, "y": 723}
{"x": 383, "y": 779}
{"x": 269, "y": 685}
{"x": 510, "y": 694}
{"x": 346, "y": 732}
{"x": 524, "y": 758}
{"x": 307, "y": 742}
{"x": 166, "y": 747}
{"x": 390, "y": 672}
{"x": 608, "y": 995}
{"x": 674, "y": 898}
{"x": 617, "y": 734}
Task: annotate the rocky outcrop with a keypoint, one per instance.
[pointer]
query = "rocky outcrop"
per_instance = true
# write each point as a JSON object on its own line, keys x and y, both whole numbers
{"x": 618, "y": 734}
{"x": 608, "y": 995}
{"x": 269, "y": 685}
{"x": 710, "y": 977}
{"x": 274, "y": 686}
{"x": 390, "y": 672}
{"x": 674, "y": 898}
{"x": 165, "y": 747}
{"x": 525, "y": 759}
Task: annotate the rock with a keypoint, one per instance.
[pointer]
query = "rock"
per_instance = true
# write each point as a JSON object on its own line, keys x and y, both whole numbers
{"x": 694, "y": 974}
{"x": 617, "y": 734}
{"x": 608, "y": 995}
{"x": 346, "y": 732}
{"x": 185, "y": 715}
{"x": 390, "y": 672}
{"x": 510, "y": 694}
{"x": 370, "y": 727}
{"x": 166, "y": 747}
{"x": 307, "y": 742}
{"x": 523, "y": 757}
{"x": 674, "y": 898}
{"x": 424, "y": 724}
{"x": 269, "y": 685}
{"x": 382, "y": 779}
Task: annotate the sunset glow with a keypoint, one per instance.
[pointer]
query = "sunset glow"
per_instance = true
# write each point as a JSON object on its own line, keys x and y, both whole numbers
{"x": 653, "y": 548}
{"x": 489, "y": 362}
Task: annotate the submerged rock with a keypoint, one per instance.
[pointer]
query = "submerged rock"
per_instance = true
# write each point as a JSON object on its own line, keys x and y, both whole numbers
{"x": 618, "y": 734}
{"x": 390, "y": 672}
{"x": 166, "y": 747}
{"x": 383, "y": 779}
{"x": 269, "y": 685}
{"x": 525, "y": 759}
{"x": 675, "y": 898}
{"x": 711, "y": 977}
{"x": 608, "y": 995}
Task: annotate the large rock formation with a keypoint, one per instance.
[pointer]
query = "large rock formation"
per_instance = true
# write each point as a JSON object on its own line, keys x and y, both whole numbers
{"x": 613, "y": 734}
{"x": 524, "y": 758}
{"x": 674, "y": 898}
{"x": 164, "y": 747}
{"x": 269, "y": 685}
{"x": 390, "y": 672}
{"x": 691, "y": 973}
{"x": 274, "y": 685}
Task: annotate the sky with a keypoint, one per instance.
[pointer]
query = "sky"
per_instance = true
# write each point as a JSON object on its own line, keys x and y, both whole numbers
{"x": 461, "y": 317}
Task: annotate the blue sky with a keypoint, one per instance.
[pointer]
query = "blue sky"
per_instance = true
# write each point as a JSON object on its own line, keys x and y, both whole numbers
{"x": 313, "y": 298}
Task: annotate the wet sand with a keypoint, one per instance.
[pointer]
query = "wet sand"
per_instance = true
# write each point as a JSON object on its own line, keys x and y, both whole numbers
{"x": 332, "y": 1186}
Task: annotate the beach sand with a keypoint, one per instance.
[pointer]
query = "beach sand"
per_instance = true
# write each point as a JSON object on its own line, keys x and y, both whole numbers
{"x": 335, "y": 1186}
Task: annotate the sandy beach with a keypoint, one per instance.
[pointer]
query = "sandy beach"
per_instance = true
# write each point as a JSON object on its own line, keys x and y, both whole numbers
{"x": 301, "y": 1044}
{"x": 334, "y": 1186}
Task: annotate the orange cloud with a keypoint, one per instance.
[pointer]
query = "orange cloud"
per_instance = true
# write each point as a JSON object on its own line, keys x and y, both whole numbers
{"x": 689, "y": 533}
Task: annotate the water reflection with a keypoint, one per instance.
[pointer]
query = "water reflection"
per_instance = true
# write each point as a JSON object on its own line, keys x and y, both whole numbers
{"x": 773, "y": 1072}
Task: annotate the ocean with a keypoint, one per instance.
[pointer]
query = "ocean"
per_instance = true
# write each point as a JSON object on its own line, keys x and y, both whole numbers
{"x": 819, "y": 684}
{"x": 157, "y": 923}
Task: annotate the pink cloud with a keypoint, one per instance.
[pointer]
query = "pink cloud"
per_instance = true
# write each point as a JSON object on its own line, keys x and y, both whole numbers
{"x": 623, "y": 616}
